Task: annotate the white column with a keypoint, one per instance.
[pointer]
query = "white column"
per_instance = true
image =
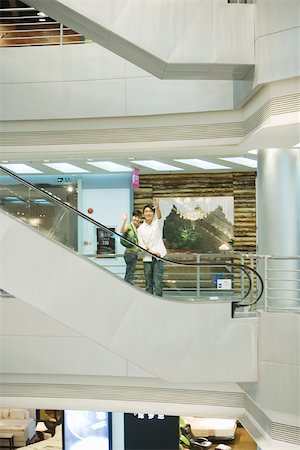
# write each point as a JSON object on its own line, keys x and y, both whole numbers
{"x": 278, "y": 209}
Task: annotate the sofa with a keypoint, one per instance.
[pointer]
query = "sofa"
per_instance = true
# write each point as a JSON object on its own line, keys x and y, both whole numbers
{"x": 213, "y": 429}
{"x": 19, "y": 422}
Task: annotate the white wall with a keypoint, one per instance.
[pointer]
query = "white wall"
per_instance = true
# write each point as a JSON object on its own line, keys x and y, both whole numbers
{"x": 86, "y": 81}
{"x": 171, "y": 31}
{"x": 277, "y": 391}
{"x": 278, "y": 386}
{"x": 277, "y": 40}
{"x": 33, "y": 342}
{"x": 108, "y": 206}
{"x": 77, "y": 81}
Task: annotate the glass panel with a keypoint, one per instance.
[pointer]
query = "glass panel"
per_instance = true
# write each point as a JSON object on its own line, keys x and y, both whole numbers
{"x": 187, "y": 276}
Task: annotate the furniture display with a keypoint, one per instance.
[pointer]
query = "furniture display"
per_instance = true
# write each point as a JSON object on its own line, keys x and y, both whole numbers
{"x": 9, "y": 437}
{"x": 213, "y": 429}
{"x": 51, "y": 418}
{"x": 53, "y": 443}
{"x": 18, "y": 422}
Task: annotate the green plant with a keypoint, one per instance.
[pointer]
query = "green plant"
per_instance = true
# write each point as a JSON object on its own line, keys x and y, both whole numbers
{"x": 188, "y": 235}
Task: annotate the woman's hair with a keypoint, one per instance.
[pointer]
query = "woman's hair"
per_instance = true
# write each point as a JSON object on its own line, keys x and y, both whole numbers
{"x": 148, "y": 206}
{"x": 136, "y": 213}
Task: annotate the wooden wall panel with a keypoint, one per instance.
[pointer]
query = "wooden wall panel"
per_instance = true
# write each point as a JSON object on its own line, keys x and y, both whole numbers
{"x": 240, "y": 185}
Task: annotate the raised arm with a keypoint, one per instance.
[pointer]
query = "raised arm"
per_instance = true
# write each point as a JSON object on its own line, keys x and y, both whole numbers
{"x": 124, "y": 226}
{"x": 156, "y": 207}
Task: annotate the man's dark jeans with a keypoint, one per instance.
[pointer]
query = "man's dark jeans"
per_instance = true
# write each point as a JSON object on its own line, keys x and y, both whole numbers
{"x": 154, "y": 271}
{"x": 130, "y": 259}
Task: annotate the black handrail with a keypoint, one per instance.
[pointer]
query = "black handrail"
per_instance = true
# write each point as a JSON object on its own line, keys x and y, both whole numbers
{"x": 242, "y": 267}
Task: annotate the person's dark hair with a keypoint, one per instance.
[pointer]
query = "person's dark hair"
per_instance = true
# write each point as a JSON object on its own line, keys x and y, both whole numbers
{"x": 148, "y": 206}
{"x": 137, "y": 213}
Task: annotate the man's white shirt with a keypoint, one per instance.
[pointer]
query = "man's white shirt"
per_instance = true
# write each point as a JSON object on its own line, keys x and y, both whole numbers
{"x": 150, "y": 236}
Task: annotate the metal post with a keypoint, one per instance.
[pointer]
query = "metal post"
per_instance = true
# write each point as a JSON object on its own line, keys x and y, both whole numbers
{"x": 266, "y": 281}
{"x": 252, "y": 279}
{"x": 61, "y": 34}
{"x": 198, "y": 275}
{"x": 242, "y": 278}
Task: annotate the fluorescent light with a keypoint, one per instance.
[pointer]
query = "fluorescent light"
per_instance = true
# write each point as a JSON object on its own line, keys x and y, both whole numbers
{"x": 201, "y": 164}
{"x": 297, "y": 145}
{"x": 41, "y": 201}
{"x": 65, "y": 167}
{"x": 242, "y": 161}
{"x": 21, "y": 168}
{"x": 34, "y": 222}
{"x": 110, "y": 166}
{"x": 156, "y": 165}
{"x": 253, "y": 152}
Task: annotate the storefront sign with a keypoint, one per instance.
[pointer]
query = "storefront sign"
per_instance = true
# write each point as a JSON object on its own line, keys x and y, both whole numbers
{"x": 135, "y": 178}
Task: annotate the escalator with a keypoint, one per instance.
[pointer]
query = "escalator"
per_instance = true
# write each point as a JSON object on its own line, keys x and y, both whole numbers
{"x": 47, "y": 268}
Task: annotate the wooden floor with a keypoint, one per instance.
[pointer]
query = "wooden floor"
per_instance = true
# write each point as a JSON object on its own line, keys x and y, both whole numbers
{"x": 242, "y": 441}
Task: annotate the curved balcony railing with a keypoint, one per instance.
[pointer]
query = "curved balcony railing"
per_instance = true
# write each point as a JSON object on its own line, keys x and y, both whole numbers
{"x": 187, "y": 277}
{"x": 282, "y": 282}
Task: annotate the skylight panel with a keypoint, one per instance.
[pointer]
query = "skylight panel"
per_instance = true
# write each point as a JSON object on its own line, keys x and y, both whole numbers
{"x": 206, "y": 165}
{"x": 21, "y": 168}
{"x": 110, "y": 166}
{"x": 65, "y": 167}
{"x": 242, "y": 161}
{"x": 157, "y": 165}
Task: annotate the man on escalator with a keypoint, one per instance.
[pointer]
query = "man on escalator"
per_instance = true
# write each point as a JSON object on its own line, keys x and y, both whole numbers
{"x": 151, "y": 238}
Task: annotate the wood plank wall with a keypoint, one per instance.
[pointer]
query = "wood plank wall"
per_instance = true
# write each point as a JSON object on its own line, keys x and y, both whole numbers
{"x": 240, "y": 185}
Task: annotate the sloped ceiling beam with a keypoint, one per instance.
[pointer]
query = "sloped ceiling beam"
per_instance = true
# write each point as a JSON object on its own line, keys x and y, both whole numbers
{"x": 201, "y": 39}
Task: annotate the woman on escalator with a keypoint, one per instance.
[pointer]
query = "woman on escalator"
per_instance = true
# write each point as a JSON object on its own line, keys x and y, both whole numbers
{"x": 129, "y": 231}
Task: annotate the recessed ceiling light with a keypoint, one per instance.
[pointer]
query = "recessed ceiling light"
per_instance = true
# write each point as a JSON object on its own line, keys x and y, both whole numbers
{"x": 66, "y": 167}
{"x": 110, "y": 166}
{"x": 42, "y": 20}
{"x": 253, "y": 152}
{"x": 242, "y": 161}
{"x": 201, "y": 164}
{"x": 21, "y": 168}
{"x": 156, "y": 165}
{"x": 297, "y": 145}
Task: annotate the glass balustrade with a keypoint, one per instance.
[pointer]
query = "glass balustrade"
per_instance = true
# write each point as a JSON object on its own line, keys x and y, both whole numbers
{"x": 187, "y": 276}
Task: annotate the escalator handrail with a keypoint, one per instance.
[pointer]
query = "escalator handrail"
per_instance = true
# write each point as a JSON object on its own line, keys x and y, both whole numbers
{"x": 55, "y": 199}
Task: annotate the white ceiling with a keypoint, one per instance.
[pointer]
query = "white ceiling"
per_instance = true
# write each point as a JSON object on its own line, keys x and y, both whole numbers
{"x": 277, "y": 136}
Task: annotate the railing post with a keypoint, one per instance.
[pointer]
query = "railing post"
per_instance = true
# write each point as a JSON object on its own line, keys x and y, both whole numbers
{"x": 252, "y": 279}
{"x": 242, "y": 278}
{"x": 61, "y": 34}
{"x": 265, "y": 259}
{"x": 198, "y": 275}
